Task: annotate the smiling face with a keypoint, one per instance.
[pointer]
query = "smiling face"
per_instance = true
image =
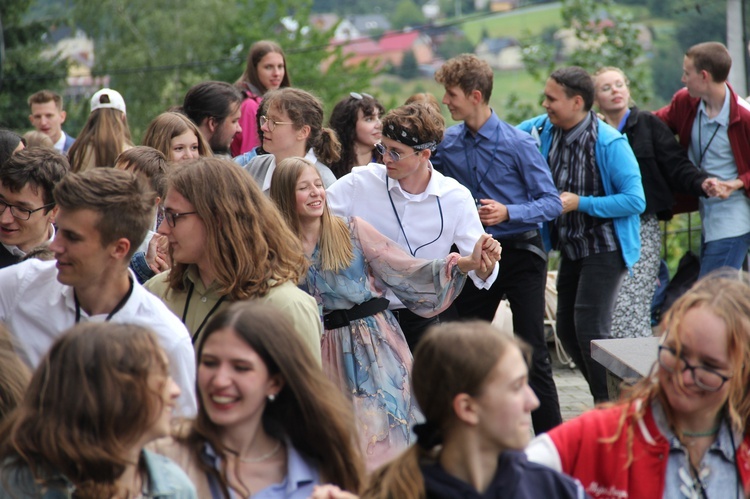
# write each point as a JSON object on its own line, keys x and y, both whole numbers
{"x": 505, "y": 403}
{"x": 612, "y": 92}
{"x": 311, "y": 194}
{"x": 563, "y": 111}
{"x": 184, "y": 147}
{"x": 26, "y": 234}
{"x": 705, "y": 342}
{"x": 187, "y": 239}
{"x": 460, "y": 105}
{"x": 271, "y": 70}
{"x": 369, "y": 128}
{"x": 233, "y": 381}
{"x": 81, "y": 257}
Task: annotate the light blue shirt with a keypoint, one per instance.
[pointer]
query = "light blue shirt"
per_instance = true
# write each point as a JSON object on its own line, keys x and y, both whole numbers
{"x": 718, "y": 471}
{"x": 301, "y": 477}
{"x": 711, "y": 151}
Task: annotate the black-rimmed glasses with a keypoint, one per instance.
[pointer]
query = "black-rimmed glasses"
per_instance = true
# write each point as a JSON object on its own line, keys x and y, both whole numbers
{"x": 705, "y": 377}
{"x": 172, "y": 217}
{"x": 396, "y": 157}
{"x": 271, "y": 124}
{"x": 21, "y": 213}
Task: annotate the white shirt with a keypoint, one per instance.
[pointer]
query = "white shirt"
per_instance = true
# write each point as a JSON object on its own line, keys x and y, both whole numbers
{"x": 363, "y": 193}
{"x": 37, "y": 309}
{"x": 60, "y": 144}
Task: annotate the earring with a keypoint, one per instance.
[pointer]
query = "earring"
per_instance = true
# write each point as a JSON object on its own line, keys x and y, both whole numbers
{"x": 271, "y": 397}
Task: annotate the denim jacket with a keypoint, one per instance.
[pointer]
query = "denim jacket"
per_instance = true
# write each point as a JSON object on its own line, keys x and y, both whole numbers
{"x": 165, "y": 481}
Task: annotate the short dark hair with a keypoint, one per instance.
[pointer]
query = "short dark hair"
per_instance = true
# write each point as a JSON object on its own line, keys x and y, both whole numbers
{"x": 39, "y": 168}
{"x": 125, "y": 202}
{"x": 712, "y": 57}
{"x": 44, "y": 96}
{"x": 576, "y": 81}
{"x": 211, "y": 99}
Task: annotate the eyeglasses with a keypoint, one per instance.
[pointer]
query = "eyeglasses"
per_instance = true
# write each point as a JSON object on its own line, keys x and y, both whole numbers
{"x": 21, "y": 213}
{"x": 271, "y": 124}
{"x": 396, "y": 157}
{"x": 360, "y": 96}
{"x": 705, "y": 377}
{"x": 172, "y": 217}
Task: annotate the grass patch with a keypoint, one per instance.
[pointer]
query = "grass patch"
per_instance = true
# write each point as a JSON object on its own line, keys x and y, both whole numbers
{"x": 518, "y": 23}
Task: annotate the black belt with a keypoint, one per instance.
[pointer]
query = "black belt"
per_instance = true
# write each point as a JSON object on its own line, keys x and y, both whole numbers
{"x": 341, "y": 318}
{"x": 523, "y": 241}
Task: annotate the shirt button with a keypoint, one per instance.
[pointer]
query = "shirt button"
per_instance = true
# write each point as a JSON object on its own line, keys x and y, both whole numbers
{"x": 204, "y": 299}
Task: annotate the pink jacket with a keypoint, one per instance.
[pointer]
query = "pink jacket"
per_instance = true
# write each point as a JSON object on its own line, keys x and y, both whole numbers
{"x": 247, "y": 139}
{"x": 575, "y": 449}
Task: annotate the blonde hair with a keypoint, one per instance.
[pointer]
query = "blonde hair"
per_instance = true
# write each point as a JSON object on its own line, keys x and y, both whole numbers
{"x": 166, "y": 127}
{"x": 336, "y": 251}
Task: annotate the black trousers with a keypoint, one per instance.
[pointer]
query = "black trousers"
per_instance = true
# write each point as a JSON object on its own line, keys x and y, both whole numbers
{"x": 415, "y": 326}
{"x": 522, "y": 279}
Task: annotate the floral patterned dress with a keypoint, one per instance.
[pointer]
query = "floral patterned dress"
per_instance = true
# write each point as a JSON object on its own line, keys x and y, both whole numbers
{"x": 369, "y": 359}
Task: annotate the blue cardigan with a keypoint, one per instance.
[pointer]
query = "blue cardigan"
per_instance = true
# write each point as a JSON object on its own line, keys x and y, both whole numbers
{"x": 624, "y": 200}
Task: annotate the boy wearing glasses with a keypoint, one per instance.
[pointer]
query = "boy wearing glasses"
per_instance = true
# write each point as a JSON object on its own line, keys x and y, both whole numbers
{"x": 27, "y": 209}
{"x": 514, "y": 192}
{"x": 103, "y": 214}
{"x": 406, "y": 200}
{"x": 597, "y": 234}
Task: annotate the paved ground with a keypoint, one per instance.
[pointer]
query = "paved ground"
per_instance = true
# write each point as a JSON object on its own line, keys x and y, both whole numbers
{"x": 572, "y": 389}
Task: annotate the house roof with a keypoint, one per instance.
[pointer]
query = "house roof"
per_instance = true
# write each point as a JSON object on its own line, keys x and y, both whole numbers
{"x": 370, "y": 22}
{"x": 398, "y": 41}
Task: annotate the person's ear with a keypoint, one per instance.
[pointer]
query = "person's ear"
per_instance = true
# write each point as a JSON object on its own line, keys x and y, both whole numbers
{"x": 212, "y": 124}
{"x": 476, "y": 97}
{"x": 464, "y": 408}
{"x": 120, "y": 248}
{"x": 52, "y": 214}
{"x": 63, "y": 115}
{"x": 303, "y": 133}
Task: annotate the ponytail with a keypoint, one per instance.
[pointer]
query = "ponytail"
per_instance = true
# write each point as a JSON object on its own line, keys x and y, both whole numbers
{"x": 401, "y": 477}
{"x": 327, "y": 147}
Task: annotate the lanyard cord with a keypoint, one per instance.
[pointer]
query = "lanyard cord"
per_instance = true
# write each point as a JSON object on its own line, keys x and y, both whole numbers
{"x": 398, "y": 219}
{"x": 205, "y": 319}
{"x": 705, "y": 150}
{"x": 117, "y": 308}
{"x": 478, "y": 183}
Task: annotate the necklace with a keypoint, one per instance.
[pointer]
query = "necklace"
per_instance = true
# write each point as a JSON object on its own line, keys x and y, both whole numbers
{"x": 708, "y": 433}
{"x": 271, "y": 453}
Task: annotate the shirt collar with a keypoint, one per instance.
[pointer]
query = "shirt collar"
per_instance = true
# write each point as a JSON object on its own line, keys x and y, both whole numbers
{"x": 60, "y": 144}
{"x": 432, "y": 189}
{"x": 576, "y": 132}
{"x": 16, "y": 251}
{"x": 723, "y": 442}
{"x": 723, "y": 117}
{"x": 487, "y": 131}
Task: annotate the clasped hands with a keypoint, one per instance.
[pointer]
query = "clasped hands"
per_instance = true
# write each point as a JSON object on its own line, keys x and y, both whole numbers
{"x": 713, "y": 187}
{"x": 482, "y": 260}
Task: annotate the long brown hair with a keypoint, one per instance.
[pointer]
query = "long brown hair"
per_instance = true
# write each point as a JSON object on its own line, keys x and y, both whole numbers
{"x": 728, "y": 297}
{"x": 14, "y": 375}
{"x": 257, "y": 52}
{"x": 336, "y": 251}
{"x": 249, "y": 244}
{"x": 461, "y": 355}
{"x": 104, "y": 135}
{"x": 88, "y": 403}
{"x": 309, "y": 410}
{"x": 167, "y": 126}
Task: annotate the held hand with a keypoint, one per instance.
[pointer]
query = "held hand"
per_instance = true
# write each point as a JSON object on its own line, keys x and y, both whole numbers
{"x": 569, "y": 201}
{"x": 711, "y": 187}
{"x": 331, "y": 492}
{"x": 485, "y": 243}
{"x": 725, "y": 188}
{"x": 491, "y": 212}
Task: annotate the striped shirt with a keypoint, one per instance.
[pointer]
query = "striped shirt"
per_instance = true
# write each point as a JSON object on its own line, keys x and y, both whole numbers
{"x": 572, "y": 160}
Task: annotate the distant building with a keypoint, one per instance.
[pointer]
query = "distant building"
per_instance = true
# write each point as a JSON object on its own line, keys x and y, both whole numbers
{"x": 389, "y": 49}
{"x": 500, "y": 53}
{"x": 368, "y": 24}
{"x": 78, "y": 50}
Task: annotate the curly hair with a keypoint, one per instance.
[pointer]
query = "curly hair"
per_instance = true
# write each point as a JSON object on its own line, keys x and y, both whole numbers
{"x": 467, "y": 72}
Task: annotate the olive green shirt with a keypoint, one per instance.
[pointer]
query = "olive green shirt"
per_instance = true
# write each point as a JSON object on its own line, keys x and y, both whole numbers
{"x": 299, "y": 307}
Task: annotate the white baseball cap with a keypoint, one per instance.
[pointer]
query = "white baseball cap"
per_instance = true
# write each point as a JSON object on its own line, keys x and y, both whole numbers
{"x": 113, "y": 96}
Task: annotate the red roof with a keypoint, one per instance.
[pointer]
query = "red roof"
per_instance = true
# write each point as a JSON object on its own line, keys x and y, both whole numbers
{"x": 398, "y": 41}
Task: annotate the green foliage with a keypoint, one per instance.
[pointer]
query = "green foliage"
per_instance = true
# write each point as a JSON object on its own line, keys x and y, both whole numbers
{"x": 707, "y": 24}
{"x": 174, "y": 45}
{"x": 408, "y": 68}
{"x": 454, "y": 44}
{"x": 24, "y": 71}
{"x": 407, "y": 13}
{"x": 518, "y": 110}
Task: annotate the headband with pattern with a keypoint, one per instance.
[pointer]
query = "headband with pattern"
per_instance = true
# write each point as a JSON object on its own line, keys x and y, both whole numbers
{"x": 400, "y": 134}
